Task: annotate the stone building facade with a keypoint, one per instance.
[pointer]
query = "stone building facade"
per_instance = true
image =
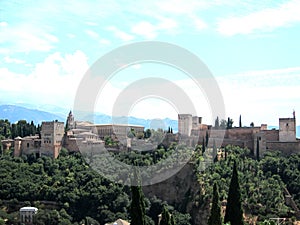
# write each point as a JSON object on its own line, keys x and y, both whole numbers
{"x": 48, "y": 144}
{"x": 52, "y": 134}
{"x": 283, "y": 139}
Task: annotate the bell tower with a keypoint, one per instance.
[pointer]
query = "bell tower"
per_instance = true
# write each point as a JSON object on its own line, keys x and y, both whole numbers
{"x": 70, "y": 121}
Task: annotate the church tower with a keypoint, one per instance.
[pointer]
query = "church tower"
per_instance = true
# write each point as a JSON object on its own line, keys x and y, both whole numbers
{"x": 70, "y": 121}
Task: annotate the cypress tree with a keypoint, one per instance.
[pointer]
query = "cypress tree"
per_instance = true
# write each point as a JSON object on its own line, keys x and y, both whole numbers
{"x": 240, "y": 122}
{"x": 234, "y": 212}
{"x": 203, "y": 146}
{"x": 217, "y": 125}
{"x": 206, "y": 139}
{"x": 257, "y": 149}
{"x": 137, "y": 208}
{"x": 215, "y": 213}
{"x": 215, "y": 152}
{"x": 165, "y": 217}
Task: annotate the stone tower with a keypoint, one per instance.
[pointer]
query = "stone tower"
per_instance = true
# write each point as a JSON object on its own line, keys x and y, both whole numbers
{"x": 52, "y": 134}
{"x": 70, "y": 121}
{"x": 287, "y": 129}
{"x": 17, "y": 146}
{"x": 185, "y": 124}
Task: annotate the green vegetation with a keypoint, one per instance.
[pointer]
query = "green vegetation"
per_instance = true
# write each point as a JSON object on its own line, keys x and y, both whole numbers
{"x": 22, "y": 128}
{"x": 137, "y": 209}
{"x": 261, "y": 182}
{"x": 67, "y": 191}
{"x": 165, "y": 217}
{"x": 215, "y": 213}
{"x": 234, "y": 212}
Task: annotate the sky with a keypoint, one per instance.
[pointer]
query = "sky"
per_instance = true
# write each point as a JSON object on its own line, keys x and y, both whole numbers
{"x": 251, "y": 48}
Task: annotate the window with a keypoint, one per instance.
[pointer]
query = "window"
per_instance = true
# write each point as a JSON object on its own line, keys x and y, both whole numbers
{"x": 27, "y": 145}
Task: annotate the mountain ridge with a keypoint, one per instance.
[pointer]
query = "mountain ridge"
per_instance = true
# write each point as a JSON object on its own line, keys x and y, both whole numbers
{"x": 15, "y": 113}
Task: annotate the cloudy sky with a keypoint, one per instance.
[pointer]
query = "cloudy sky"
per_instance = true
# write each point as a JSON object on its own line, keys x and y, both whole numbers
{"x": 252, "y": 49}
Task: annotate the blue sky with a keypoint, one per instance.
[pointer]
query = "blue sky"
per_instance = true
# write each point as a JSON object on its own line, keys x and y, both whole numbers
{"x": 251, "y": 47}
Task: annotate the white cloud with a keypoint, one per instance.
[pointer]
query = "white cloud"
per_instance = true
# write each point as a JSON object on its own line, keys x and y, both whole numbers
{"x": 261, "y": 96}
{"x": 3, "y": 24}
{"x": 92, "y": 34}
{"x": 90, "y": 23}
{"x": 265, "y": 20}
{"x": 8, "y": 59}
{"x": 149, "y": 31}
{"x": 145, "y": 29}
{"x": 26, "y": 38}
{"x": 120, "y": 34}
{"x": 199, "y": 23}
{"x": 53, "y": 81}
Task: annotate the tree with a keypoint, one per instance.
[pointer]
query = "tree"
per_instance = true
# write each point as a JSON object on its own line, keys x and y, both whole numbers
{"x": 229, "y": 123}
{"x": 217, "y": 125}
{"x": 234, "y": 212}
{"x": 251, "y": 124}
{"x": 215, "y": 213}
{"x": 206, "y": 138}
{"x": 215, "y": 152}
{"x": 147, "y": 133}
{"x": 203, "y": 146}
{"x": 223, "y": 124}
{"x": 257, "y": 149}
{"x": 137, "y": 208}
{"x": 240, "y": 121}
{"x": 165, "y": 217}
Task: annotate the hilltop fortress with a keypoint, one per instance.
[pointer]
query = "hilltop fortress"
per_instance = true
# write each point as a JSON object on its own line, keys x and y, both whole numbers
{"x": 252, "y": 137}
{"x": 87, "y": 137}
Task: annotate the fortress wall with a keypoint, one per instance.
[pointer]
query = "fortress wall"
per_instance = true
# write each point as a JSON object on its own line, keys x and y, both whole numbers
{"x": 271, "y": 135}
{"x": 242, "y": 133}
{"x": 285, "y": 147}
{"x": 71, "y": 145}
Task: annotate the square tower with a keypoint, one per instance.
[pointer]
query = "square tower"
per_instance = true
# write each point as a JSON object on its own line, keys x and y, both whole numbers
{"x": 52, "y": 134}
{"x": 185, "y": 124}
{"x": 287, "y": 129}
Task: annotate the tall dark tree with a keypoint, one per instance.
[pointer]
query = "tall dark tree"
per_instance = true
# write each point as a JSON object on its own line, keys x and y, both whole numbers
{"x": 137, "y": 208}
{"x": 240, "y": 121}
{"x": 217, "y": 124}
{"x": 215, "y": 152}
{"x": 203, "y": 146}
{"x": 206, "y": 139}
{"x": 234, "y": 212}
{"x": 229, "y": 123}
{"x": 215, "y": 212}
{"x": 257, "y": 149}
{"x": 165, "y": 217}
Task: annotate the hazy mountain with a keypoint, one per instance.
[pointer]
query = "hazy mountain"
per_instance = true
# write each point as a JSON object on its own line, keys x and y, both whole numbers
{"x": 14, "y": 113}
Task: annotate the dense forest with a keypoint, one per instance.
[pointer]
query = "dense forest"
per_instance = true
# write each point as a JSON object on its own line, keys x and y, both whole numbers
{"x": 67, "y": 191}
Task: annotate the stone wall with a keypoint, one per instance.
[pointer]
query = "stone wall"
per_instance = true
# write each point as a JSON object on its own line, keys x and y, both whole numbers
{"x": 285, "y": 147}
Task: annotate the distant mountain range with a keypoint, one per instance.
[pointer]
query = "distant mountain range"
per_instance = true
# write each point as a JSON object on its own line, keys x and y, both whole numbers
{"x": 49, "y": 113}
{"x": 14, "y": 113}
